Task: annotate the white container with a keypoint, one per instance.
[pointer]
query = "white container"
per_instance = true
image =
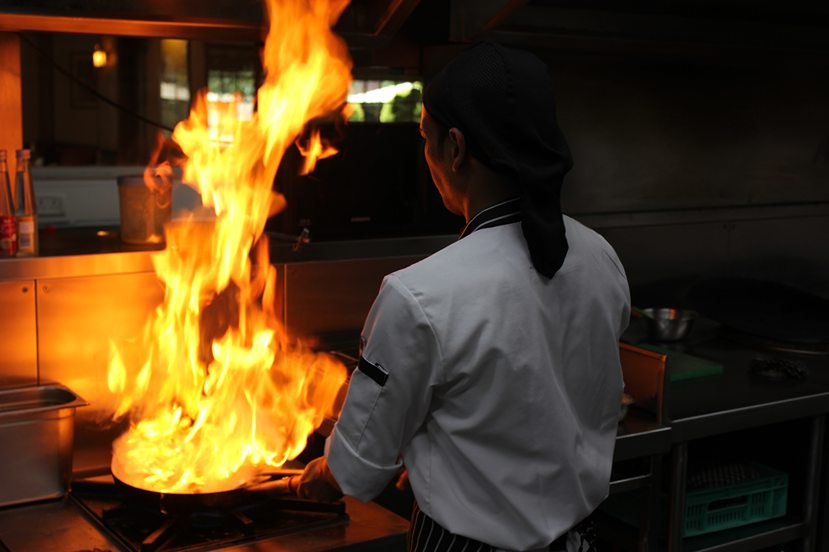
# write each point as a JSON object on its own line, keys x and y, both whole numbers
{"x": 144, "y": 209}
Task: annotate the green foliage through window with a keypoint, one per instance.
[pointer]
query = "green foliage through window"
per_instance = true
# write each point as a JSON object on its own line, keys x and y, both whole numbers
{"x": 385, "y": 101}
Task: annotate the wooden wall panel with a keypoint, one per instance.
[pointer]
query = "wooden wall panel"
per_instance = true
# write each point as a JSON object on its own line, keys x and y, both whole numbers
{"x": 11, "y": 110}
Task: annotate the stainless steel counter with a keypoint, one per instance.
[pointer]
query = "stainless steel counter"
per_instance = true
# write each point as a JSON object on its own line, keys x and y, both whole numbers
{"x": 726, "y": 405}
{"x": 736, "y": 399}
{"x": 67, "y": 266}
{"x": 79, "y": 252}
{"x": 92, "y": 252}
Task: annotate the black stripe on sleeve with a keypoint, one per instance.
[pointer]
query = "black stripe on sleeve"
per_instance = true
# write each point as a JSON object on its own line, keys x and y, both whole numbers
{"x": 374, "y": 371}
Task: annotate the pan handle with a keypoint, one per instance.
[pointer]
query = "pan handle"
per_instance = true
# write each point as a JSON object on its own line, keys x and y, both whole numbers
{"x": 285, "y": 486}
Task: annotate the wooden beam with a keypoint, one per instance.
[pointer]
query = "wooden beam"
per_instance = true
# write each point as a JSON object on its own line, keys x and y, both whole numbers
{"x": 205, "y": 29}
{"x": 194, "y": 29}
{"x": 472, "y": 18}
{"x": 392, "y": 16}
{"x": 11, "y": 100}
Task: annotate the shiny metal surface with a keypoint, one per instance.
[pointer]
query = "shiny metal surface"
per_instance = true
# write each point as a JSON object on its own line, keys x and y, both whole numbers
{"x": 75, "y": 265}
{"x": 37, "y": 429}
{"x": 58, "y": 526}
{"x": 78, "y": 319}
{"x": 123, "y": 262}
{"x": 18, "y": 326}
{"x": 668, "y": 324}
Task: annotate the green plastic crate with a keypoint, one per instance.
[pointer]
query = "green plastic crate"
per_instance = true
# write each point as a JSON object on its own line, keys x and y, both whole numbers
{"x": 710, "y": 510}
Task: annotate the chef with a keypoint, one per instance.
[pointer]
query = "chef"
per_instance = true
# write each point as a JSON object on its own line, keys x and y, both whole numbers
{"x": 491, "y": 368}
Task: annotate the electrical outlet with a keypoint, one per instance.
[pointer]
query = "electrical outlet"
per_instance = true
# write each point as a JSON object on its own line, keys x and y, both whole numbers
{"x": 51, "y": 205}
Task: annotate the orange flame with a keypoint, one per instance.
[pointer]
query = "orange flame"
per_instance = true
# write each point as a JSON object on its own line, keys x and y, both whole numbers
{"x": 314, "y": 150}
{"x": 215, "y": 389}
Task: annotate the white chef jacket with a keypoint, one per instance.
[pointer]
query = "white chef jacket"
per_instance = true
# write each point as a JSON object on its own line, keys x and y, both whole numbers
{"x": 498, "y": 388}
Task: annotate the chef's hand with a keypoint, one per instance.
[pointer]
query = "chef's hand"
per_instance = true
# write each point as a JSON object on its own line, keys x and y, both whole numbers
{"x": 317, "y": 482}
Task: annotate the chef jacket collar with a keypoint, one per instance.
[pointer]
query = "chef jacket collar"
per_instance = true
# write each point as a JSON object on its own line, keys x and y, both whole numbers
{"x": 506, "y": 212}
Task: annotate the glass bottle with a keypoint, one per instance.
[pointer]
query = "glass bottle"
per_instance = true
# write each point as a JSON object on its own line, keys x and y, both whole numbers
{"x": 25, "y": 209}
{"x": 8, "y": 223}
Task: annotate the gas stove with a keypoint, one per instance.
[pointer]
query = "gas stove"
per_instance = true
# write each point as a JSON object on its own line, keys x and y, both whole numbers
{"x": 140, "y": 528}
{"x": 95, "y": 517}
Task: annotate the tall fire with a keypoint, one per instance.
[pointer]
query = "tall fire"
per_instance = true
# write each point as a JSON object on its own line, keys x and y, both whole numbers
{"x": 215, "y": 390}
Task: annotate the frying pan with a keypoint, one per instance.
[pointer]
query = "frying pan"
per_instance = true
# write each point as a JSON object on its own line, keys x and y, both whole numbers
{"x": 268, "y": 486}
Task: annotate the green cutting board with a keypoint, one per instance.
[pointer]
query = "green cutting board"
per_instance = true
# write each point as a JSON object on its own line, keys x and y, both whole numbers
{"x": 683, "y": 366}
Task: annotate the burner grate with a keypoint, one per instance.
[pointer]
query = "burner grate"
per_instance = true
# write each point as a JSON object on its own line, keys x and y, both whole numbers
{"x": 143, "y": 529}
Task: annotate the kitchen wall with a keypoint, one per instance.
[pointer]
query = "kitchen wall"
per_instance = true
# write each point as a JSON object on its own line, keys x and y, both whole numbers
{"x": 707, "y": 161}
{"x": 699, "y": 163}
{"x": 654, "y": 133}
{"x": 736, "y": 150}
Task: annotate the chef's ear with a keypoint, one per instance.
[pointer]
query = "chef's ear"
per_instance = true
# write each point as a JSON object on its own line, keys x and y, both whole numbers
{"x": 458, "y": 144}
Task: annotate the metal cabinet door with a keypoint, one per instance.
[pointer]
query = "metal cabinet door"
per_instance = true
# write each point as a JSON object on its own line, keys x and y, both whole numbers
{"x": 78, "y": 317}
{"x": 18, "y": 334}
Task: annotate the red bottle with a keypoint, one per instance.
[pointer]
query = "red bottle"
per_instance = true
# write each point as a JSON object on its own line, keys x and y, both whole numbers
{"x": 8, "y": 222}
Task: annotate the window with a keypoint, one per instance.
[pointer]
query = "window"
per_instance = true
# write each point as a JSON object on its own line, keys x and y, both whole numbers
{"x": 385, "y": 101}
{"x": 174, "y": 84}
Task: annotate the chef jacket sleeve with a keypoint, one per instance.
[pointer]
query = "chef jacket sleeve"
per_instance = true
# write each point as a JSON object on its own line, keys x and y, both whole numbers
{"x": 388, "y": 395}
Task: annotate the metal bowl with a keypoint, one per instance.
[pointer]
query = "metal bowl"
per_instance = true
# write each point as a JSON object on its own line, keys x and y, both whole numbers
{"x": 668, "y": 324}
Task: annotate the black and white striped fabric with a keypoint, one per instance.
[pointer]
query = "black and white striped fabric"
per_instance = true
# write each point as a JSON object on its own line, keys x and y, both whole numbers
{"x": 425, "y": 535}
{"x": 506, "y": 212}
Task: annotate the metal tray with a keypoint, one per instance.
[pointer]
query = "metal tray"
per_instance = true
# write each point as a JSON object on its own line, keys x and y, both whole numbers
{"x": 37, "y": 427}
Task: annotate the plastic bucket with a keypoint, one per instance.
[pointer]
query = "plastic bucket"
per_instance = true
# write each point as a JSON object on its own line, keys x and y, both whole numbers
{"x": 144, "y": 209}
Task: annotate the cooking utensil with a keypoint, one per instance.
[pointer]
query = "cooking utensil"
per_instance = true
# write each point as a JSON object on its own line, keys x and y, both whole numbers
{"x": 667, "y": 324}
{"x": 262, "y": 488}
{"x": 144, "y": 211}
{"x": 37, "y": 426}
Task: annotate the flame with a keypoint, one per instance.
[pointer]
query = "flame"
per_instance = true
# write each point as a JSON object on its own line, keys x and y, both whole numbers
{"x": 215, "y": 389}
{"x": 312, "y": 151}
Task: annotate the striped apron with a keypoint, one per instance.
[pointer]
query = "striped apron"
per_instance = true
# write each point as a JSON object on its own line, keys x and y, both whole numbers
{"x": 425, "y": 535}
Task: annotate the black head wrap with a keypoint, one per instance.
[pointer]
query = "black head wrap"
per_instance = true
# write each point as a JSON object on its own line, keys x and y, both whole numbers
{"x": 502, "y": 100}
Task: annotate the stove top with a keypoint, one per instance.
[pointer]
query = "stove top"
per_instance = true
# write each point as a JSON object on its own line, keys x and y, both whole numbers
{"x": 140, "y": 528}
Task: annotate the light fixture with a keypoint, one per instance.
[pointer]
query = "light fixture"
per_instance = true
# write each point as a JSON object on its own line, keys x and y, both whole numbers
{"x": 99, "y": 56}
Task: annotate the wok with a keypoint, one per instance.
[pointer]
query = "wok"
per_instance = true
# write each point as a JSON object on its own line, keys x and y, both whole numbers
{"x": 268, "y": 486}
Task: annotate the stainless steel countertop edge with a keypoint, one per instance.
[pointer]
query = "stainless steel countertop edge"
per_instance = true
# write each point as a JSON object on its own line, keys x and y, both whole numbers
{"x": 756, "y": 415}
{"x": 29, "y": 268}
{"x": 97, "y": 264}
